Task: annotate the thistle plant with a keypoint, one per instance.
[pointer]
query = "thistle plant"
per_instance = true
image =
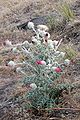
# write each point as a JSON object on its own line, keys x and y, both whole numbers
{"x": 42, "y": 65}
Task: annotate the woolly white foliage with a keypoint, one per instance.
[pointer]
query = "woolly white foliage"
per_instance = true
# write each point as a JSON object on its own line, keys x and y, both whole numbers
{"x": 44, "y": 62}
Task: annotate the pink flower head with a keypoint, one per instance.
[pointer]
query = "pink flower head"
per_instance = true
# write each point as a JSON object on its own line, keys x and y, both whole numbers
{"x": 40, "y": 62}
{"x": 58, "y": 70}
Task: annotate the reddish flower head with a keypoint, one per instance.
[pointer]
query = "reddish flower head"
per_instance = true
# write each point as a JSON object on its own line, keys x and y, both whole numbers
{"x": 40, "y": 62}
{"x": 58, "y": 70}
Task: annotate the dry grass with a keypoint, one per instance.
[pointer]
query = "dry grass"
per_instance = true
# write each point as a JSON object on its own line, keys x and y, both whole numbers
{"x": 14, "y": 12}
{"x": 17, "y": 6}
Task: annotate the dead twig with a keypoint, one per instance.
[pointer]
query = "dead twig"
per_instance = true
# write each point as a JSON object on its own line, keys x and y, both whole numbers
{"x": 70, "y": 109}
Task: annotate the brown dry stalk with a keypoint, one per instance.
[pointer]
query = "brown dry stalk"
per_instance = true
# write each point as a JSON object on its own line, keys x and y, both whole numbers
{"x": 71, "y": 109}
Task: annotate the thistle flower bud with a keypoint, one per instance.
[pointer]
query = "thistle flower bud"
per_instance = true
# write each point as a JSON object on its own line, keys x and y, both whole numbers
{"x": 47, "y": 35}
{"x": 8, "y": 43}
{"x": 43, "y": 62}
{"x": 67, "y": 62}
{"x": 56, "y": 63}
{"x": 49, "y": 66}
{"x": 62, "y": 54}
{"x": 43, "y": 27}
{"x": 57, "y": 53}
{"x": 33, "y": 86}
{"x": 12, "y": 64}
{"x": 53, "y": 68}
{"x": 40, "y": 62}
{"x": 15, "y": 50}
{"x": 18, "y": 69}
{"x": 34, "y": 40}
{"x": 30, "y": 25}
{"x": 41, "y": 32}
{"x": 58, "y": 70}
